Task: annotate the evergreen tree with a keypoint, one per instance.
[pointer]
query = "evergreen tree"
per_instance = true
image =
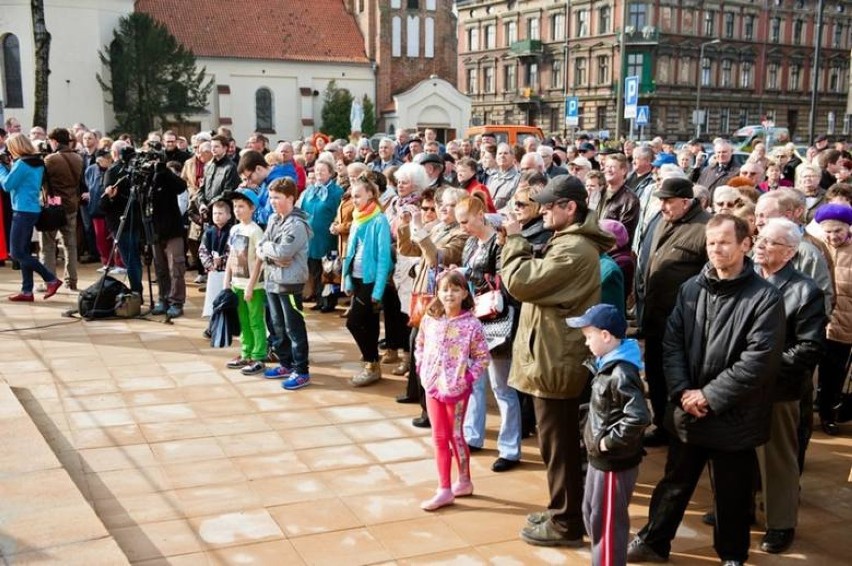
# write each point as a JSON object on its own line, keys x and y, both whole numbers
{"x": 337, "y": 103}
{"x": 369, "y": 124}
{"x": 152, "y": 77}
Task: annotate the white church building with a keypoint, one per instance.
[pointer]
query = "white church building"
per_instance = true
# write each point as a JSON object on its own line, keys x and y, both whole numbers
{"x": 270, "y": 62}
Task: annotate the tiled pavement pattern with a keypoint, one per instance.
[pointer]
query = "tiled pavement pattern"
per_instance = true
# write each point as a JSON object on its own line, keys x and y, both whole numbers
{"x": 188, "y": 463}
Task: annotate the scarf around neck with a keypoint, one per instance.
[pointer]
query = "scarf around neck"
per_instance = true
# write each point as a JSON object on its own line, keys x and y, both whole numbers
{"x": 364, "y": 215}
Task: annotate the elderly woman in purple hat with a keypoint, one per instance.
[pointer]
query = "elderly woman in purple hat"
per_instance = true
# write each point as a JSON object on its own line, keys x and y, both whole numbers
{"x": 835, "y": 220}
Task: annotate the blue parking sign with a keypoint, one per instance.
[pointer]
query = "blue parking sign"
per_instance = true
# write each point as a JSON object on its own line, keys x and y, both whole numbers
{"x": 572, "y": 111}
{"x": 643, "y": 115}
{"x": 631, "y": 96}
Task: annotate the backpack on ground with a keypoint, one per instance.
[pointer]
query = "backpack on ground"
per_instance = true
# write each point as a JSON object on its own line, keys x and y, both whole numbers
{"x": 112, "y": 293}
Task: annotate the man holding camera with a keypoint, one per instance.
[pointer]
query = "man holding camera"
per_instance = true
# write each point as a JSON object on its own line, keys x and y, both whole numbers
{"x": 169, "y": 251}
{"x": 113, "y": 204}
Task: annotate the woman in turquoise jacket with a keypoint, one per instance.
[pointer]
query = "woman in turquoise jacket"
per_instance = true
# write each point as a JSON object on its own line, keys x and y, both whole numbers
{"x": 320, "y": 202}
{"x": 366, "y": 269}
{"x": 23, "y": 183}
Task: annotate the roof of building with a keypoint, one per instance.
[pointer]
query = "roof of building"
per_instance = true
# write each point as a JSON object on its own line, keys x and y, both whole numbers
{"x": 319, "y": 30}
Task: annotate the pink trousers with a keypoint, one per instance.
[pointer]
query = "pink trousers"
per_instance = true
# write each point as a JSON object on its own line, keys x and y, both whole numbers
{"x": 448, "y": 437}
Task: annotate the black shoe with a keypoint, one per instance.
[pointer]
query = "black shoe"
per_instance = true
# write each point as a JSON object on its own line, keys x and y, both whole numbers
{"x": 830, "y": 428}
{"x": 383, "y": 344}
{"x": 404, "y": 398}
{"x": 638, "y": 551}
{"x": 473, "y": 449}
{"x": 709, "y": 518}
{"x": 16, "y": 265}
{"x": 504, "y": 465}
{"x": 421, "y": 422}
{"x": 316, "y": 307}
{"x": 327, "y": 309}
{"x": 206, "y": 333}
{"x": 776, "y": 541}
{"x": 658, "y": 437}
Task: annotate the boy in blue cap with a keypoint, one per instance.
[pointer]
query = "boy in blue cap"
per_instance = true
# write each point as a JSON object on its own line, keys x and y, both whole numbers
{"x": 618, "y": 415}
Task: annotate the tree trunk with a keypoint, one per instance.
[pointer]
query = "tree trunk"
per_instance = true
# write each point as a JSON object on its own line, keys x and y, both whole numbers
{"x": 42, "y": 63}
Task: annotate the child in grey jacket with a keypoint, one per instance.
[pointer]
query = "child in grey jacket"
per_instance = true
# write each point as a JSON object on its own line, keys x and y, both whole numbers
{"x": 284, "y": 252}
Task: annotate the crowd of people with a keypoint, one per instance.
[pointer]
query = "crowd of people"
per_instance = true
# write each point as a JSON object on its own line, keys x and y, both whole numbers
{"x": 487, "y": 263}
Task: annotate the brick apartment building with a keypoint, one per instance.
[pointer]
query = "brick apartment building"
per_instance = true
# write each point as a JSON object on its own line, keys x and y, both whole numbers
{"x": 518, "y": 60}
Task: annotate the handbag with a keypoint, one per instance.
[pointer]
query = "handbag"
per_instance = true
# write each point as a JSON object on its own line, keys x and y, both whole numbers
{"x": 498, "y": 330}
{"x": 52, "y": 216}
{"x": 490, "y": 304}
{"x": 420, "y": 301}
{"x": 331, "y": 264}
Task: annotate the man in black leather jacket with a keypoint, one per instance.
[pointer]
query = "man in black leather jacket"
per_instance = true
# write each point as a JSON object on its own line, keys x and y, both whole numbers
{"x": 721, "y": 354}
{"x": 803, "y": 348}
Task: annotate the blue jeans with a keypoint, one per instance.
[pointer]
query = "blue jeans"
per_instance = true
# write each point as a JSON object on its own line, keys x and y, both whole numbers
{"x": 128, "y": 246}
{"x": 288, "y": 320}
{"x": 20, "y": 238}
{"x": 509, "y": 437}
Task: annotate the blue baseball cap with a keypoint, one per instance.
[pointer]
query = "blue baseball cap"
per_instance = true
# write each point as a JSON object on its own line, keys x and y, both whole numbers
{"x": 664, "y": 159}
{"x": 602, "y": 316}
{"x": 247, "y": 195}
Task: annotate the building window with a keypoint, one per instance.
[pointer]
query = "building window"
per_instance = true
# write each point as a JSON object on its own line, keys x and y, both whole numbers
{"x": 555, "y": 119}
{"x": 582, "y": 23}
{"x": 472, "y": 79}
{"x": 264, "y": 121}
{"x": 727, "y": 64}
{"x": 473, "y": 39}
{"x": 724, "y": 120}
{"x": 795, "y": 77}
{"x": 556, "y": 78}
{"x": 637, "y": 16}
{"x": 600, "y": 118}
{"x": 745, "y": 74}
{"x": 532, "y": 76}
{"x": 13, "y": 94}
{"x": 775, "y": 30}
{"x": 510, "y": 79}
{"x": 604, "y": 18}
{"x": 709, "y": 23}
{"x": 396, "y": 37}
{"x": 413, "y": 4}
{"x": 729, "y": 24}
{"x": 705, "y": 71}
{"x": 603, "y": 69}
{"x": 413, "y": 35}
{"x": 396, "y": 4}
{"x": 557, "y": 27}
{"x": 743, "y": 117}
{"x": 429, "y": 43}
{"x": 635, "y": 64}
{"x": 431, "y": 5}
{"x": 490, "y": 36}
{"x": 580, "y": 71}
{"x": 772, "y": 76}
{"x": 798, "y": 27}
{"x": 488, "y": 79}
{"x": 511, "y": 32}
{"x": 533, "y": 31}
{"x": 686, "y": 75}
{"x": 748, "y": 32}
{"x": 838, "y": 35}
{"x": 834, "y": 80}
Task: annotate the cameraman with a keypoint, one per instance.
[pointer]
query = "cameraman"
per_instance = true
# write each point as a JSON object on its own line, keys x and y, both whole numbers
{"x": 113, "y": 202}
{"x": 169, "y": 250}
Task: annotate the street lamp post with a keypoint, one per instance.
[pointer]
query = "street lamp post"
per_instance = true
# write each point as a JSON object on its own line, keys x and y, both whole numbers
{"x": 697, "y": 116}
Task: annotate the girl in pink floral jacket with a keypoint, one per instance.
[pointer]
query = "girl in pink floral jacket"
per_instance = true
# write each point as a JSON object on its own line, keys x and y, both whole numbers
{"x": 451, "y": 353}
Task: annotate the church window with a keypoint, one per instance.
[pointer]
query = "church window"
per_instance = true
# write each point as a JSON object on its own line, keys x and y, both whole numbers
{"x": 263, "y": 110}
{"x": 13, "y": 95}
{"x": 396, "y": 37}
{"x": 413, "y": 35}
{"x": 429, "y": 41}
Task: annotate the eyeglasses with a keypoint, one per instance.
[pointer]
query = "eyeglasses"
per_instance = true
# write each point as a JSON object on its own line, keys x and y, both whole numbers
{"x": 748, "y": 173}
{"x": 766, "y": 242}
{"x": 428, "y": 208}
{"x": 521, "y": 204}
{"x": 560, "y": 203}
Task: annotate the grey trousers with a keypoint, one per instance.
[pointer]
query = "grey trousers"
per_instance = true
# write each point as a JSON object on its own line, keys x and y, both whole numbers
{"x": 779, "y": 467}
{"x": 69, "y": 247}
{"x": 605, "y": 503}
{"x": 170, "y": 266}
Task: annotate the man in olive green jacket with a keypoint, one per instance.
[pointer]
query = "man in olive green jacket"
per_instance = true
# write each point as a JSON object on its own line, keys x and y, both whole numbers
{"x": 547, "y": 356}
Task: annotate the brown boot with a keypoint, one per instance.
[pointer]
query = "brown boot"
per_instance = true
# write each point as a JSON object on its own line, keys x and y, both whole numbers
{"x": 371, "y": 373}
{"x": 391, "y": 357}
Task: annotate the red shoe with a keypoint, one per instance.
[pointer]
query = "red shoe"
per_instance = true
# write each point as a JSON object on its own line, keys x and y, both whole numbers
{"x": 22, "y": 298}
{"x": 52, "y": 288}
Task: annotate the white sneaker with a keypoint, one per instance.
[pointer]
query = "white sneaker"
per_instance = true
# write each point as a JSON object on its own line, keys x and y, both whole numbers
{"x": 118, "y": 271}
{"x": 102, "y": 269}
{"x": 201, "y": 279}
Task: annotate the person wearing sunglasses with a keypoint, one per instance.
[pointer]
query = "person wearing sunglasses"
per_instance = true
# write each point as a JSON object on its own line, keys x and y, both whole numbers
{"x": 547, "y": 355}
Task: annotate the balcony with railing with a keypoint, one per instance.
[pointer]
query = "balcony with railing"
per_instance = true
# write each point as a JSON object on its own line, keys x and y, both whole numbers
{"x": 527, "y": 48}
{"x": 645, "y": 35}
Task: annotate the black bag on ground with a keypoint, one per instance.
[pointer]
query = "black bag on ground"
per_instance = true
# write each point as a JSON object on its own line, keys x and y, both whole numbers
{"x": 108, "y": 300}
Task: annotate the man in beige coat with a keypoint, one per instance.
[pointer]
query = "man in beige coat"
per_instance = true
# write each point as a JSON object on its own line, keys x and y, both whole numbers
{"x": 547, "y": 356}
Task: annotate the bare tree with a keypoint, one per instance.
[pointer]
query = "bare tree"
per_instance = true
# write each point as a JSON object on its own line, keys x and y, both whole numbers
{"x": 42, "y": 63}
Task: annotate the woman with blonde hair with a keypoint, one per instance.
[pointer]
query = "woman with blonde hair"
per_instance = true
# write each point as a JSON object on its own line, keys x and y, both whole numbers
{"x": 23, "y": 182}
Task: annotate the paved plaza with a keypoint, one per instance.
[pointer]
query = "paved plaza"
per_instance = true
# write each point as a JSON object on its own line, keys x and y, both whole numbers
{"x": 129, "y": 442}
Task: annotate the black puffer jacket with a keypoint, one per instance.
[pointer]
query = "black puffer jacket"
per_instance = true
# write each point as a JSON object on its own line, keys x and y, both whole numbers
{"x": 804, "y": 305}
{"x": 725, "y": 337}
{"x": 480, "y": 261}
{"x": 618, "y": 413}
